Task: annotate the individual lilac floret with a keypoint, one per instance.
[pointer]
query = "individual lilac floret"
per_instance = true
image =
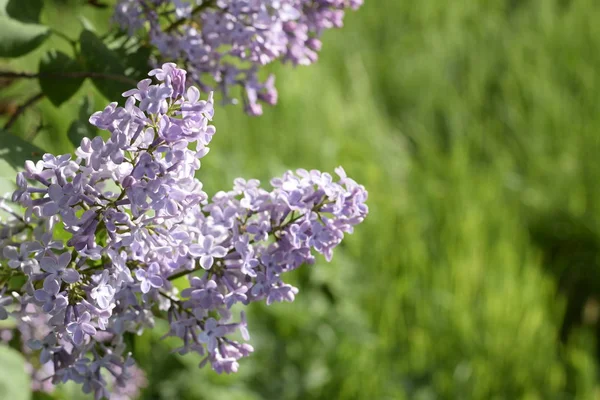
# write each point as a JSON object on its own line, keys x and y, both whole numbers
{"x": 48, "y": 347}
{"x": 103, "y": 292}
{"x": 50, "y": 296}
{"x": 18, "y": 258}
{"x": 207, "y": 251}
{"x": 81, "y": 328}
{"x": 227, "y": 43}
{"x": 149, "y": 278}
{"x": 134, "y": 218}
{"x": 211, "y": 333}
{"x": 57, "y": 270}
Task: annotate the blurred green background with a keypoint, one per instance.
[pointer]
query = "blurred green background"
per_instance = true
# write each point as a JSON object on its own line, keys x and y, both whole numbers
{"x": 475, "y": 127}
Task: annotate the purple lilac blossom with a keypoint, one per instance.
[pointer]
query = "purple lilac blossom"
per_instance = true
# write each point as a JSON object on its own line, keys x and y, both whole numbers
{"x": 226, "y": 43}
{"x": 135, "y": 218}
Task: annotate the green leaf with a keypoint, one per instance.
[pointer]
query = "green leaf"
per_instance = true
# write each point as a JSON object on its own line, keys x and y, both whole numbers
{"x": 86, "y": 23}
{"x": 81, "y": 127}
{"x": 59, "y": 90}
{"x": 17, "y": 38}
{"x": 14, "y": 381}
{"x": 134, "y": 55}
{"x": 129, "y": 339}
{"x": 14, "y": 151}
{"x": 25, "y": 10}
{"x": 138, "y": 62}
{"x": 17, "y": 282}
{"x": 42, "y": 396}
{"x": 71, "y": 391}
{"x": 101, "y": 60}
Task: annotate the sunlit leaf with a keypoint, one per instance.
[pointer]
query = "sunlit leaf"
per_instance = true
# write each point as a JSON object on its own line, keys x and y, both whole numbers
{"x": 14, "y": 381}
{"x": 17, "y": 38}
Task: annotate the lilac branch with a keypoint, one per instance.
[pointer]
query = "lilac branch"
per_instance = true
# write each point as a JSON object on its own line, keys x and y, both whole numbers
{"x": 30, "y": 102}
{"x": 68, "y": 75}
{"x": 195, "y": 11}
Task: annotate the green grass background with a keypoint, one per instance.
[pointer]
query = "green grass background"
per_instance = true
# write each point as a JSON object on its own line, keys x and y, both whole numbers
{"x": 475, "y": 127}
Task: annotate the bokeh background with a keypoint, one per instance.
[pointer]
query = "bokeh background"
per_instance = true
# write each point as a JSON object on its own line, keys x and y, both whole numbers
{"x": 475, "y": 126}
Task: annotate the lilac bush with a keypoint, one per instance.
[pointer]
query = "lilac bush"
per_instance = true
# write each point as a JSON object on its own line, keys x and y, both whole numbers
{"x": 225, "y": 43}
{"x": 105, "y": 235}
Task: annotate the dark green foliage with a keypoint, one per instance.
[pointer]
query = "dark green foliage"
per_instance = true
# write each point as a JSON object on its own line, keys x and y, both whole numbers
{"x": 57, "y": 87}
{"x": 571, "y": 250}
{"x": 27, "y": 11}
{"x": 20, "y": 32}
{"x": 81, "y": 127}
{"x": 106, "y": 63}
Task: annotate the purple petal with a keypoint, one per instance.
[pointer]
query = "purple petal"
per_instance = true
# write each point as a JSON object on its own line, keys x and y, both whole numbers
{"x": 63, "y": 260}
{"x": 207, "y": 243}
{"x": 85, "y": 317}
{"x": 103, "y": 302}
{"x": 48, "y": 306}
{"x": 55, "y": 192}
{"x": 212, "y": 344}
{"x": 60, "y": 302}
{"x": 78, "y": 336}
{"x": 88, "y": 328}
{"x": 196, "y": 250}
{"x": 180, "y": 235}
{"x": 203, "y": 337}
{"x": 34, "y": 344}
{"x": 70, "y": 275}
{"x": 41, "y": 295}
{"x": 145, "y": 286}
{"x": 210, "y": 324}
{"x": 171, "y": 207}
{"x": 34, "y": 246}
{"x": 97, "y": 143}
{"x": 206, "y": 262}
{"x": 220, "y": 331}
{"x": 10, "y": 252}
{"x": 218, "y": 251}
{"x": 49, "y": 209}
{"x": 153, "y": 269}
{"x": 211, "y": 284}
{"x": 51, "y": 286}
{"x": 155, "y": 281}
{"x": 140, "y": 274}
{"x": 72, "y": 327}
{"x": 49, "y": 264}
{"x": 243, "y": 328}
{"x": 45, "y": 356}
{"x": 130, "y": 92}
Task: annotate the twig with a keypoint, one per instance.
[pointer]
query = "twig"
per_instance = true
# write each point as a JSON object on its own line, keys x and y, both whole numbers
{"x": 67, "y": 75}
{"x": 22, "y": 109}
{"x": 195, "y": 11}
{"x": 184, "y": 273}
{"x": 61, "y": 35}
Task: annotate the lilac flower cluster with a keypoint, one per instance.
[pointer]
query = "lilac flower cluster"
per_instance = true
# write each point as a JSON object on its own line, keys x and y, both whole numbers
{"x": 107, "y": 238}
{"x": 224, "y": 43}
